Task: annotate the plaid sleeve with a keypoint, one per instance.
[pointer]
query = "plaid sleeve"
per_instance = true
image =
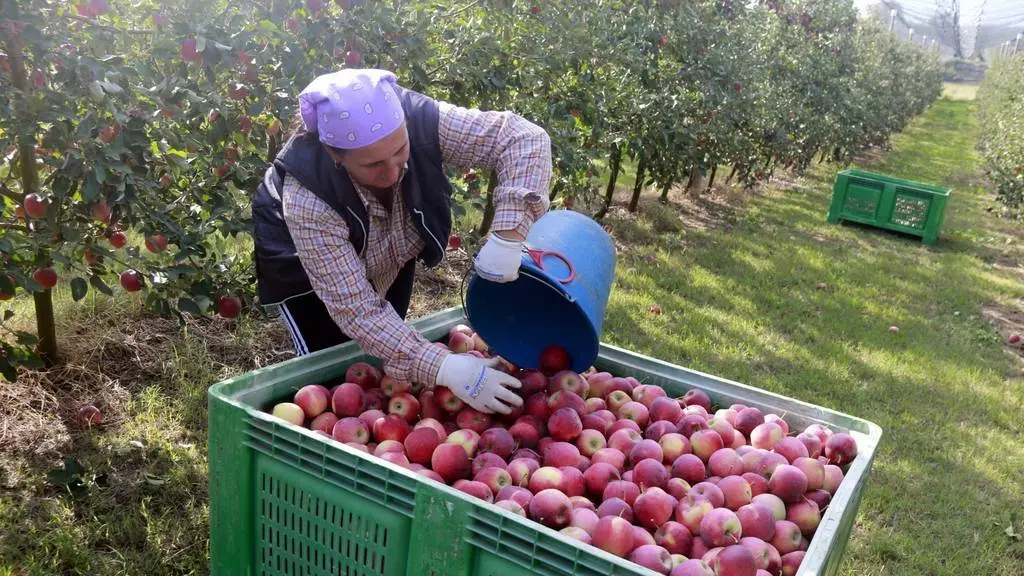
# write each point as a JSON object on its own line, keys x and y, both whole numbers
{"x": 339, "y": 278}
{"x": 519, "y": 150}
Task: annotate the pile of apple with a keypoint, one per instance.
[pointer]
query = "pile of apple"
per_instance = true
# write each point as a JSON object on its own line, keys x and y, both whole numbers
{"x": 665, "y": 482}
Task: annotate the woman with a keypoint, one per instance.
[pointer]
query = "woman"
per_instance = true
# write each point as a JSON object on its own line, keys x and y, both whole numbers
{"x": 360, "y": 193}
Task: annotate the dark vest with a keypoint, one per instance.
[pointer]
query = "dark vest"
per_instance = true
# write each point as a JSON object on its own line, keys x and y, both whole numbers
{"x": 425, "y": 190}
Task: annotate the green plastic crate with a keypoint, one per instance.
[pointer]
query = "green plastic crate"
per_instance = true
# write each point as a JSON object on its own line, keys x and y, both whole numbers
{"x": 890, "y": 203}
{"x": 286, "y": 501}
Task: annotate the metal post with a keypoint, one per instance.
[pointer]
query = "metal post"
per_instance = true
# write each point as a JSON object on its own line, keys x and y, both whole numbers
{"x": 892, "y": 19}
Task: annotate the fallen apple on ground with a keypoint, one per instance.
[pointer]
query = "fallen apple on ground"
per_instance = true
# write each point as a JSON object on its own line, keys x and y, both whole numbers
{"x": 673, "y": 483}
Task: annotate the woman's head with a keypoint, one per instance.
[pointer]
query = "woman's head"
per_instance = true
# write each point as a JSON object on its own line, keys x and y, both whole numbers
{"x": 357, "y": 116}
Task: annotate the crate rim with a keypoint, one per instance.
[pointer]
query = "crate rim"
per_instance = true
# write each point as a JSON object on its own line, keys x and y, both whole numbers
{"x": 817, "y": 553}
{"x": 934, "y": 189}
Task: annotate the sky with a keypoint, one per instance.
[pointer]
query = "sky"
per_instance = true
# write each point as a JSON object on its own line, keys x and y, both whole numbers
{"x": 1006, "y": 12}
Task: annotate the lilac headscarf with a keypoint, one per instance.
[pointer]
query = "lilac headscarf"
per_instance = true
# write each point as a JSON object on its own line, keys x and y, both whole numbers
{"x": 351, "y": 108}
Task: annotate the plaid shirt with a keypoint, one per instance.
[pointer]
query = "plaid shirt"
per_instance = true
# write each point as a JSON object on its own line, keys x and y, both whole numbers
{"x": 353, "y": 288}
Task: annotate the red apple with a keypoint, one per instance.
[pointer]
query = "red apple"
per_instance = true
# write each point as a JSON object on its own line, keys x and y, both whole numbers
{"x": 757, "y": 521}
{"x": 498, "y": 441}
{"x": 645, "y": 449}
{"x": 691, "y": 423}
{"x": 89, "y": 415}
{"x": 364, "y": 374}
{"x": 813, "y": 470}
{"x": 650, "y": 472}
{"x": 521, "y": 469}
{"x": 761, "y": 550}
{"x": 566, "y": 399}
{"x": 598, "y": 383}
{"x": 324, "y": 423}
{"x": 674, "y": 537}
{"x": 388, "y": 446}
{"x": 734, "y": 560}
{"x": 561, "y": 454}
{"x": 511, "y": 506}
{"x": 653, "y": 508}
{"x": 720, "y": 527}
{"x": 726, "y": 462}
{"x": 710, "y": 491}
{"x": 821, "y": 431}
{"x": 791, "y": 448}
{"x": 723, "y": 427}
{"x": 551, "y": 508}
{"x": 546, "y": 477}
{"x": 652, "y": 557}
{"x": 45, "y": 277}
{"x": 766, "y": 435}
{"x": 768, "y": 462}
{"x": 517, "y": 494}
{"x": 736, "y": 491}
{"x": 390, "y": 427}
{"x": 674, "y": 445}
{"x": 622, "y": 489}
{"x": 565, "y": 425}
{"x": 370, "y": 417}
{"x": 698, "y": 397}
{"x": 584, "y": 518}
{"x": 833, "y": 477}
{"x": 787, "y": 537}
{"x": 811, "y": 442}
{"x": 460, "y": 343}
{"x": 495, "y": 478}
{"x": 590, "y": 442}
{"x": 156, "y": 243}
{"x": 374, "y": 399}
{"x": 569, "y": 381}
{"x": 791, "y": 562}
{"x": 663, "y": 408}
{"x": 448, "y": 400}
{"x": 312, "y": 399}
{"x": 705, "y": 442}
{"x": 613, "y": 535}
{"x": 420, "y": 444}
{"x": 532, "y": 381}
{"x": 468, "y": 439}
{"x": 624, "y": 440}
{"x": 690, "y": 468}
{"x": 470, "y": 419}
{"x": 634, "y": 411}
{"x": 758, "y": 483}
{"x": 693, "y": 567}
{"x": 788, "y": 483}
{"x": 778, "y": 420}
{"x": 451, "y": 462}
{"x": 840, "y": 449}
{"x": 677, "y": 487}
{"x": 805, "y": 515}
{"x": 691, "y": 511}
{"x": 101, "y": 211}
{"x": 347, "y": 400}
{"x": 598, "y": 476}
{"x": 35, "y": 206}
{"x": 772, "y": 503}
{"x": 748, "y": 419}
{"x": 350, "y": 429}
{"x": 554, "y": 358}
{"x": 820, "y": 497}
{"x": 615, "y": 507}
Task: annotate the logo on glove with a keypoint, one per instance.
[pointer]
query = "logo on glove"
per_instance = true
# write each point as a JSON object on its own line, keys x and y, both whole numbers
{"x": 474, "y": 389}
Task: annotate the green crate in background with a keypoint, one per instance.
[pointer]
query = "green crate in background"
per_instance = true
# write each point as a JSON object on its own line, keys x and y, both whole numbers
{"x": 286, "y": 501}
{"x": 891, "y": 203}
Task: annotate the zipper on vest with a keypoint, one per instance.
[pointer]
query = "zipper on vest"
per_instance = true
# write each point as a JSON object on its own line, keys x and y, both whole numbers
{"x": 427, "y": 228}
{"x": 366, "y": 237}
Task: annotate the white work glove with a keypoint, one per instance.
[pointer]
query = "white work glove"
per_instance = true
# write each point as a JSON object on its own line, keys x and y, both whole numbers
{"x": 476, "y": 382}
{"x": 499, "y": 259}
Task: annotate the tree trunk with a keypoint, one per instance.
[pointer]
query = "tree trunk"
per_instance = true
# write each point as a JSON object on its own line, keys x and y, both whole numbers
{"x": 555, "y": 190}
{"x": 731, "y": 175}
{"x": 638, "y": 186}
{"x": 488, "y": 219}
{"x": 614, "y": 162}
{"x": 45, "y": 325}
{"x": 711, "y": 179}
{"x": 663, "y": 197}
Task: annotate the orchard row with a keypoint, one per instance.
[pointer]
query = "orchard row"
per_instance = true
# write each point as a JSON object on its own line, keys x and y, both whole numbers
{"x": 128, "y": 123}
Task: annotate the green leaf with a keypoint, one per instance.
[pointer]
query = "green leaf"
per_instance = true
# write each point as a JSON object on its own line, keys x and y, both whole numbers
{"x": 26, "y": 338}
{"x": 79, "y": 288}
{"x": 98, "y": 284}
{"x": 189, "y": 305}
{"x": 100, "y": 173}
{"x": 91, "y": 190}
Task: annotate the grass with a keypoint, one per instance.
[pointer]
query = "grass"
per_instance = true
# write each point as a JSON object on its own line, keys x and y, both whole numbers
{"x": 737, "y": 287}
{"x": 744, "y": 304}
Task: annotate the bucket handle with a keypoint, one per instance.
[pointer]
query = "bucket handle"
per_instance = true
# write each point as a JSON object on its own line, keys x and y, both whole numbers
{"x": 542, "y": 280}
{"x": 538, "y": 255}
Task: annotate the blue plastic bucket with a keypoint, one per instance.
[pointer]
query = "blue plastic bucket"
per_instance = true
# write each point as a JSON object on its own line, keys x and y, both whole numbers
{"x": 544, "y": 306}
